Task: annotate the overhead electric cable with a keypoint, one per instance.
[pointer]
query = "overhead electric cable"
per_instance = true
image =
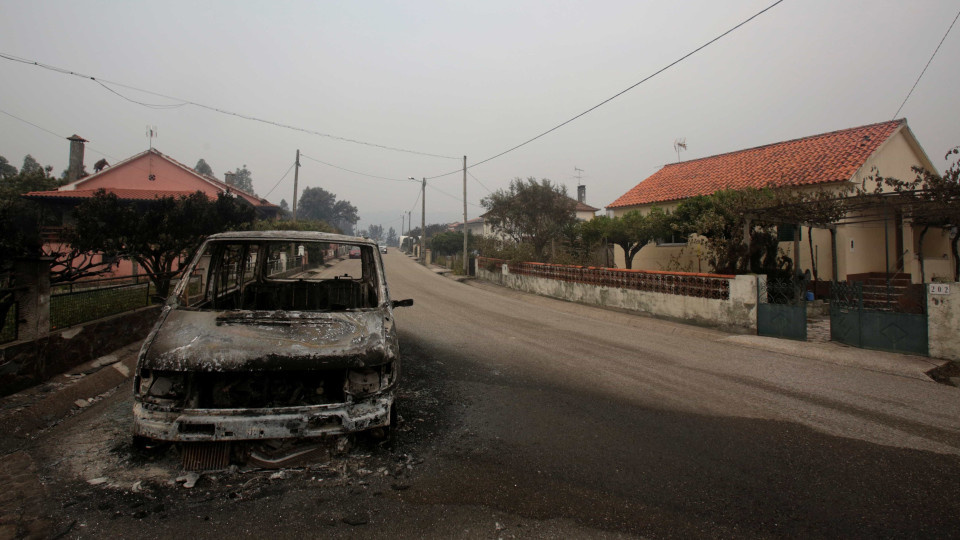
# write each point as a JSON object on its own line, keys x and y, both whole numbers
{"x": 618, "y": 94}
{"x": 357, "y": 172}
{"x": 280, "y": 180}
{"x": 479, "y": 182}
{"x": 454, "y": 197}
{"x": 32, "y": 124}
{"x": 926, "y": 66}
{"x": 211, "y": 108}
{"x": 57, "y": 135}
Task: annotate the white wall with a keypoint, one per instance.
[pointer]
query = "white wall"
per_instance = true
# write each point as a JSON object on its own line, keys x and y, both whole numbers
{"x": 737, "y": 313}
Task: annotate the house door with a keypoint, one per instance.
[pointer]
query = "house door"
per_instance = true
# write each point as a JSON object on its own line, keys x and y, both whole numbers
{"x": 782, "y": 309}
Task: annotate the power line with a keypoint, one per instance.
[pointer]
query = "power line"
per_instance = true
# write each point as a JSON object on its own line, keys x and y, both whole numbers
{"x": 211, "y": 108}
{"x": 32, "y": 124}
{"x": 618, "y": 94}
{"x": 57, "y": 135}
{"x": 926, "y": 66}
{"x": 149, "y": 105}
{"x": 454, "y": 197}
{"x": 356, "y": 172}
{"x": 280, "y": 180}
{"x": 479, "y": 182}
{"x": 414, "y": 205}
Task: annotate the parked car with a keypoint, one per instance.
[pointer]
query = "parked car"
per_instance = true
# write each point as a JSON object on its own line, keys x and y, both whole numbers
{"x": 263, "y": 340}
{"x": 383, "y": 248}
{"x": 355, "y": 253}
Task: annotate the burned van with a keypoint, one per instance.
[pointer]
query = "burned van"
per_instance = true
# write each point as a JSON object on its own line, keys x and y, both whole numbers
{"x": 271, "y": 335}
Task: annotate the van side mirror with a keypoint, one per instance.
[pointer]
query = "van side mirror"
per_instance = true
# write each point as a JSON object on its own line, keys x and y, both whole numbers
{"x": 402, "y": 303}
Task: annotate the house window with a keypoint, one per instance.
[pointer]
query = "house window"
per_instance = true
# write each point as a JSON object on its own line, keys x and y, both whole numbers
{"x": 675, "y": 239}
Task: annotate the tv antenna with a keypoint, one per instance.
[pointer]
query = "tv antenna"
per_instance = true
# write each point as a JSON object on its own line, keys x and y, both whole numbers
{"x": 579, "y": 170}
{"x": 151, "y": 133}
{"x": 678, "y": 144}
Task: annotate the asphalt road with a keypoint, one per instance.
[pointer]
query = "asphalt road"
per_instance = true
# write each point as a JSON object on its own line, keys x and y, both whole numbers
{"x": 529, "y": 417}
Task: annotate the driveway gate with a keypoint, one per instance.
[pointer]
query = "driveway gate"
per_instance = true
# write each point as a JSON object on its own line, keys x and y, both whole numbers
{"x": 883, "y": 317}
{"x": 782, "y": 309}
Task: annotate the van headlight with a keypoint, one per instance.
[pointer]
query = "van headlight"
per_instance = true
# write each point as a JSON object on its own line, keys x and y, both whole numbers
{"x": 366, "y": 381}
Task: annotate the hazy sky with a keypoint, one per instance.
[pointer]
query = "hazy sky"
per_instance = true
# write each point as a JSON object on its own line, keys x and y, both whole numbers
{"x": 459, "y": 78}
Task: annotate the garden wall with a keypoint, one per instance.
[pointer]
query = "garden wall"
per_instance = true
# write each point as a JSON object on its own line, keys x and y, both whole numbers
{"x": 26, "y": 363}
{"x": 724, "y": 301}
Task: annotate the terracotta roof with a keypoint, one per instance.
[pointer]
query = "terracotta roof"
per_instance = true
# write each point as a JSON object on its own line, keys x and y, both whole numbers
{"x": 829, "y": 157}
{"x": 125, "y": 194}
{"x": 583, "y": 207}
{"x": 219, "y": 184}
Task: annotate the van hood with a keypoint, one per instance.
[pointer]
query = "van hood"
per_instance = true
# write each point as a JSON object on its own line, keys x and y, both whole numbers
{"x": 269, "y": 340}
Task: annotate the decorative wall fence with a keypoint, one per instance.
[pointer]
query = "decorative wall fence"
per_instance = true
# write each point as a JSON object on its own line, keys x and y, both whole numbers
{"x": 710, "y": 299}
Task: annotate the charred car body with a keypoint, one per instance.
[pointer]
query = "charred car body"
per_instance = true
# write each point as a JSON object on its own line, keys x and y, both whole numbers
{"x": 271, "y": 335}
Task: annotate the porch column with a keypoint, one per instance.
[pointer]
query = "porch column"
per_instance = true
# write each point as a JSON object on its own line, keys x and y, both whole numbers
{"x": 835, "y": 267}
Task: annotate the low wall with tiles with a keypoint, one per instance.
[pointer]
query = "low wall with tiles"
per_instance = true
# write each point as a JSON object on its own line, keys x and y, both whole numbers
{"x": 724, "y": 301}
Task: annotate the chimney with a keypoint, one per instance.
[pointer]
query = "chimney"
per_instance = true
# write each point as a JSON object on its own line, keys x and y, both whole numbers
{"x": 582, "y": 194}
{"x": 228, "y": 178}
{"x": 76, "y": 157}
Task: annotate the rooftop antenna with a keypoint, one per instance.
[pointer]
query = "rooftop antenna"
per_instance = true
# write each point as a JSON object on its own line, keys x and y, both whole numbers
{"x": 579, "y": 170}
{"x": 678, "y": 144}
{"x": 151, "y": 133}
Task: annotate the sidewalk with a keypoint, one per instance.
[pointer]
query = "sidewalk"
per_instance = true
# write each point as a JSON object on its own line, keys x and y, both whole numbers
{"x": 24, "y": 413}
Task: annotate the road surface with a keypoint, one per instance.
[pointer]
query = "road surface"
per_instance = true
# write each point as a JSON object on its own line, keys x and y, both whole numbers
{"x": 528, "y": 417}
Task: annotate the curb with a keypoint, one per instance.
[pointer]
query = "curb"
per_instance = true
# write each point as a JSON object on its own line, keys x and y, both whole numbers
{"x": 35, "y": 408}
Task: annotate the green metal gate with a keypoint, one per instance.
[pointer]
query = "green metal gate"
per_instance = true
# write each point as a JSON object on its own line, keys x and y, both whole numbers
{"x": 782, "y": 309}
{"x": 879, "y": 317}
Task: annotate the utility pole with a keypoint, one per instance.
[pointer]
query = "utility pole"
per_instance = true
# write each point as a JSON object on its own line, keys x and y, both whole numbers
{"x": 423, "y": 222}
{"x": 296, "y": 177}
{"x": 466, "y": 256}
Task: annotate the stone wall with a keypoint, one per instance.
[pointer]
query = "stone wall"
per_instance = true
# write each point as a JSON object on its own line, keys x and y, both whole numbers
{"x": 26, "y": 363}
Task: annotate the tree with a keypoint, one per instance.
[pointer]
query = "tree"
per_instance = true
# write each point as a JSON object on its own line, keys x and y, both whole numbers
{"x": 531, "y": 212}
{"x": 375, "y": 232}
{"x": 242, "y": 179}
{"x": 21, "y": 221}
{"x": 30, "y": 165}
{"x": 720, "y": 218}
{"x": 203, "y": 168}
{"x": 288, "y": 225}
{"x": 6, "y": 169}
{"x": 283, "y": 205}
{"x": 392, "y": 237}
{"x": 156, "y": 234}
{"x": 631, "y": 231}
{"x": 450, "y": 242}
{"x": 318, "y": 203}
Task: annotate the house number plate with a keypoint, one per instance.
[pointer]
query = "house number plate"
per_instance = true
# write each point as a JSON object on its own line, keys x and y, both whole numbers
{"x": 939, "y": 288}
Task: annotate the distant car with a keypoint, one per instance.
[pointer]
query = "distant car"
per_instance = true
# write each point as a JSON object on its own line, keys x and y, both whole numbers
{"x": 355, "y": 253}
{"x": 266, "y": 340}
{"x": 383, "y": 248}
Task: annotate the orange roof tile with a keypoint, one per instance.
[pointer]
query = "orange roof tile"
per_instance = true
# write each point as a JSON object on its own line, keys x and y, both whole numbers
{"x": 125, "y": 194}
{"x": 829, "y": 157}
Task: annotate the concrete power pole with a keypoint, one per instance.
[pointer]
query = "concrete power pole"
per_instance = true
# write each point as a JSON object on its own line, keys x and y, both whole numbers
{"x": 466, "y": 256}
{"x": 296, "y": 178}
{"x": 423, "y": 223}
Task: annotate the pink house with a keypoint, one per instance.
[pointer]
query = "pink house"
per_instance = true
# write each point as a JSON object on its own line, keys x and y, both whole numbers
{"x": 146, "y": 176}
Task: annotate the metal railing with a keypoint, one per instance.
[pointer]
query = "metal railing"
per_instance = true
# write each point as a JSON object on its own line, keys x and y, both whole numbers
{"x": 715, "y": 286}
{"x": 83, "y": 301}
